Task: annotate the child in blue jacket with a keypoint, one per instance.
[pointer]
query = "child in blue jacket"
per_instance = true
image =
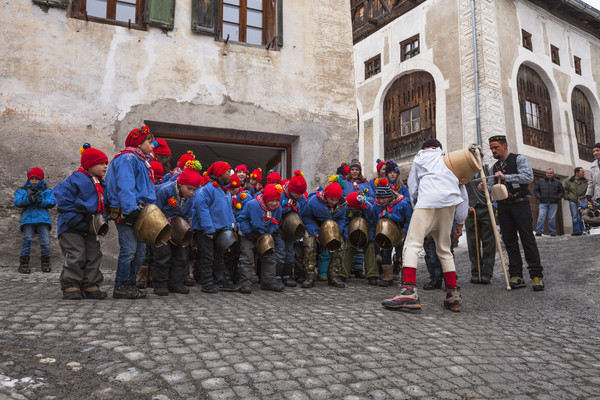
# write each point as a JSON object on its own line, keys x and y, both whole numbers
{"x": 170, "y": 260}
{"x": 130, "y": 186}
{"x": 35, "y": 198}
{"x": 326, "y": 204}
{"x": 212, "y": 214}
{"x": 261, "y": 215}
{"x": 78, "y": 198}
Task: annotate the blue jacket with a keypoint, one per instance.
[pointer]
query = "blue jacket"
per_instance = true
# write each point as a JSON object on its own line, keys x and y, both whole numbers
{"x": 238, "y": 200}
{"x": 401, "y": 212}
{"x": 286, "y": 203}
{"x": 35, "y": 213}
{"x": 128, "y": 184}
{"x": 212, "y": 210}
{"x": 349, "y": 188}
{"x": 316, "y": 211}
{"x": 251, "y": 219}
{"x": 367, "y": 213}
{"x": 77, "y": 199}
{"x": 169, "y": 190}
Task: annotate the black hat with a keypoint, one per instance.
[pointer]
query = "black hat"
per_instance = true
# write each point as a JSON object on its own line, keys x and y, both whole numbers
{"x": 596, "y": 146}
{"x": 498, "y": 138}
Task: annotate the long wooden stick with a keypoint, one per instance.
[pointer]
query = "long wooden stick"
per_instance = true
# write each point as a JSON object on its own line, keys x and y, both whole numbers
{"x": 493, "y": 218}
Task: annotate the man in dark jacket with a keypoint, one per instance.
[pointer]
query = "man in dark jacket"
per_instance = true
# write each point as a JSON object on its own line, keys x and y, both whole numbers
{"x": 575, "y": 188}
{"x": 548, "y": 191}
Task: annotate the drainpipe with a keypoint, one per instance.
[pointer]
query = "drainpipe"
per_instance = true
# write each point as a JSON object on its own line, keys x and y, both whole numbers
{"x": 476, "y": 68}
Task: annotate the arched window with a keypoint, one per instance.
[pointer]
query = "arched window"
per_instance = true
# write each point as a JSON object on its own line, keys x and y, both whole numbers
{"x": 536, "y": 109}
{"x": 584, "y": 124}
{"x": 408, "y": 115}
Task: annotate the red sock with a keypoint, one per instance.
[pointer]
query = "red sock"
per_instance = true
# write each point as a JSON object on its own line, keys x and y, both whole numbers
{"x": 450, "y": 278}
{"x": 410, "y": 275}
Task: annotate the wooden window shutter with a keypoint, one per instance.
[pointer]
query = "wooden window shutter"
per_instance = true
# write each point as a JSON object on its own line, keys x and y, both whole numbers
{"x": 273, "y": 23}
{"x": 160, "y": 13}
{"x": 280, "y": 23}
{"x": 52, "y": 3}
{"x": 205, "y": 16}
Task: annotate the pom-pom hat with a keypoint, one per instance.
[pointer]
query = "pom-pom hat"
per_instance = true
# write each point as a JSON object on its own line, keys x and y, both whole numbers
{"x": 241, "y": 167}
{"x": 35, "y": 173}
{"x": 257, "y": 174}
{"x": 218, "y": 168}
{"x": 380, "y": 163}
{"x": 235, "y": 182}
{"x": 137, "y": 136}
{"x": 189, "y": 177}
{"x": 274, "y": 177}
{"x": 272, "y": 192}
{"x": 91, "y": 156}
{"x": 382, "y": 188}
{"x": 356, "y": 200}
{"x": 162, "y": 148}
{"x": 158, "y": 169}
{"x": 189, "y": 155}
{"x": 297, "y": 183}
{"x": 333, "y": 191}
{"x": 355, "y": 163}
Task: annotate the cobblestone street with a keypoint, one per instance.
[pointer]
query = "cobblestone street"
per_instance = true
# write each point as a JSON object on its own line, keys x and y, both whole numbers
{"x": 320, "y": 343}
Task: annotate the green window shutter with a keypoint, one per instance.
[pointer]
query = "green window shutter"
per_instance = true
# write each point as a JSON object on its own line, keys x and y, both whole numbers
{"x": 160, "y": 13}
{"x": 280, "y": 23}
{"x": 205, "y": 16}
{"x": 52, "y": 3}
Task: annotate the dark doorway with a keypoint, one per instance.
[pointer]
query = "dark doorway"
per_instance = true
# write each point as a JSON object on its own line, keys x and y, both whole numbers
{"x": 560, "y": 230}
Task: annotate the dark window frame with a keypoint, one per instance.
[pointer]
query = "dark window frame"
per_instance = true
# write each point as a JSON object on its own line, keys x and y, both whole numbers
{"x": 532, "y": 90}
{"x": 555, "y": 54}
{"x": 269, "y": 21}
{"x": 577, "y": 64}
{"x": 79, "y": 11}
{"x": 527, "y": 42}
{"x": 373, "y": 66}
{"x": 414, "y": 50}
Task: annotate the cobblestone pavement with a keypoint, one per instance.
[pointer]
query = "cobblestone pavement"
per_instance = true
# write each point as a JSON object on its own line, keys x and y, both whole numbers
{"x": 321, "y": 343}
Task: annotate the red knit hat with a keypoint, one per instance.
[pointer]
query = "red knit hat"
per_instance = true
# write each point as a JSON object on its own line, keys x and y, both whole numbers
{"x": 274, "y": 177}
{"x": 235, "y": 182}
{"x": 35, "y": 172}
{"x": 380, "y": 163}
{"x": 333, "y": 191}
{"x": 218, "y": 168}
{"x": 346, "y": 170}
{"x": 162, "y": 148}
{"x": 257, "y": 174}
{"x": 241, "y": 167}
{"x": 189, "y": 177}
{"x": 137, "y": 136}
{"x": 297, "y": 183}
{"x": 158, "y": 169}
{"x": 272, "y": 192}
{"x": 356, "y": 200}
{"x": 91, "y": 156}
{"x": 189, "y": 155}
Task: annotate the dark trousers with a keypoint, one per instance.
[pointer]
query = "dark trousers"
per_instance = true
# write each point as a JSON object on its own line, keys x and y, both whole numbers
{"x": 170, "y": 266}
{"x": 210, "y": 259}
{"x": 485, "y": 243}
{"x": 231, "y": 259}
{"x": 82, "y": 260}
{"x": 516, "y": 218}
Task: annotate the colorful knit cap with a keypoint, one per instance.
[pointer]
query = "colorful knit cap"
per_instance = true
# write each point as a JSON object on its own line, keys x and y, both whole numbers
{"x": 333, "y": 191}
{"x": 356, "y": 200}
{"x": 391, "y": 166}
{"x": 257, "y": 174}
{"x": 218, "y": 168}
{"x": 241, "y": 167}
{"x": 162, "y": 148}
{"x": 158, "y": 170}
{"x": 355, "y": 164}
{"x": 274, "y": 177}
{"x": 137, "y": 136}
{"x": 91, "y": 156}
{"x": 189, "y": 155}
{"x": 235, "y": 182}
{"x": 382, "y": 188}
{"x": 380, "y": 163}
{"x": 189, "y": 177}
{"x": 272, "y": 192}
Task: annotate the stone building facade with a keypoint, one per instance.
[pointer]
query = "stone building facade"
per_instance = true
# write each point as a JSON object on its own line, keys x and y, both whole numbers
{"x": 537, "y": 72}
{"x": 264, "y": 82}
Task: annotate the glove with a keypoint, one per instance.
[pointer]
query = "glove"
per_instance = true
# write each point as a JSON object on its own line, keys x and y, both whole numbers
{"x": 39, "y": 198}
{"x": 130, "y": 218}
{"x": 32, "y": 199}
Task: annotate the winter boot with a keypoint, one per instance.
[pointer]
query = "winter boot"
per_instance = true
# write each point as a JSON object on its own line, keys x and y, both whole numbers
{"x": 93, "y": 292}
{"x": 286, "y": 277}
{"x": 323, "y": 260}
{"x": 72, "y": 293}
{"x": 46, "y": 264}
{"x": 388, "y": 276}
{"x": 309, "y": 281}
{"x": 142, "y": 277}
{"x": 24, "y": 265}
{"x": 453, "y": 300}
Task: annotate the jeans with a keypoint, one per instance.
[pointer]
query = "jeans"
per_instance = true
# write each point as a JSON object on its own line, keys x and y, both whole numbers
{"x": 43, "y": 236}
{"x": 284, "y": 250}
{"x": 576, "y": 216}
{"x": 547, "y": 209}
{"x": 130, "y": 258}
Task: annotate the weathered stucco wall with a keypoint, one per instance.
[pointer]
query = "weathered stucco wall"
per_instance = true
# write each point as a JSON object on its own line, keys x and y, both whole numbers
{"x": 65, "y": 81}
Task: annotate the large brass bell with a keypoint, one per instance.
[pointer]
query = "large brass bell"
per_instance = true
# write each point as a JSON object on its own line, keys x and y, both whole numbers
{"x": 463, "y": 163}
{"x": 182, "y": 232}
{"x": 225, "y": 239}
{"x": 265, "y": 244}
{"x": 98, "y": 225}
{"x": 387, "y": 234}
{"x": 291, "y": 227}
{"x": 358, "y": 233}
{"x": 151, "y": 226}
{"x": 329, "y": 235}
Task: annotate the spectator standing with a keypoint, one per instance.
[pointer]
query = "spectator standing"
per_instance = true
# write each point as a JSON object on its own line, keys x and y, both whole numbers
{"x": 575, "y": 188}
{"x": 548, "y": 191}
{"x": 593, "y": 189}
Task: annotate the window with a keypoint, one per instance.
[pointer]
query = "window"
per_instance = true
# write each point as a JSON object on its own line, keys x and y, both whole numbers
{"x": 532, "y": 111}
{"x": 373, "y": 66}
{"x": 118, "y": 12}
{"x": 527, "y": 40}
{"x": 242, "y": 21}
{"x": 409, "y": 48}
{"x": 577, "y": 62}
{"x": 555, "y": 55}
{"x": 410, "y": 121}
{"x": 584, "y": 124}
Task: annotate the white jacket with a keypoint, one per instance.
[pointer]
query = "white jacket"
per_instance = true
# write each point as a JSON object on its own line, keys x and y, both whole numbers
{"x": 593, "y": 188}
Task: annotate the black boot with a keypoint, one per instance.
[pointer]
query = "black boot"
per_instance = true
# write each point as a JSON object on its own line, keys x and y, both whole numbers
{"x": 286, "y": 277}
{"x": 433, "y": 284}
{"x": 24, "y": 265}
{"x": 46, "y": 264}
{"x": 309, "y": 281}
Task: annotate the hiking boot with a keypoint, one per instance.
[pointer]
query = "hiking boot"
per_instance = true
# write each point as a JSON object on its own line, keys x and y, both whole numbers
{"x": 289, "y": 282}
{"x": 485, "y": 279}
{"x": 188, "y": 281}
{"x": 453, "y": 300}
{"x": 179, "y": 289}
{"x": 127, "y": 291}
{"x": 435, "y": 284}
{"x": 474, "y": 279}
{"x": 373, "y": 281}
{"x": 407, "y": 299}
{"x": 335, "y": 282}
{"x": 24, "y": 265}
{"x": 516, "y": 282}
{"x": 538, "y": 284}
{"x": 225, "y": 286}
{"x": 93, "y": 292}
{"x": 209, "y": 289}
{"x": 46, "y": 264}
{"x": 309, "y": 282}
{"x": 161, "y": 291}
{"x": 141, "y": 293}
{"x": 273, "y": 287}
{"x": 72, "y": 293}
